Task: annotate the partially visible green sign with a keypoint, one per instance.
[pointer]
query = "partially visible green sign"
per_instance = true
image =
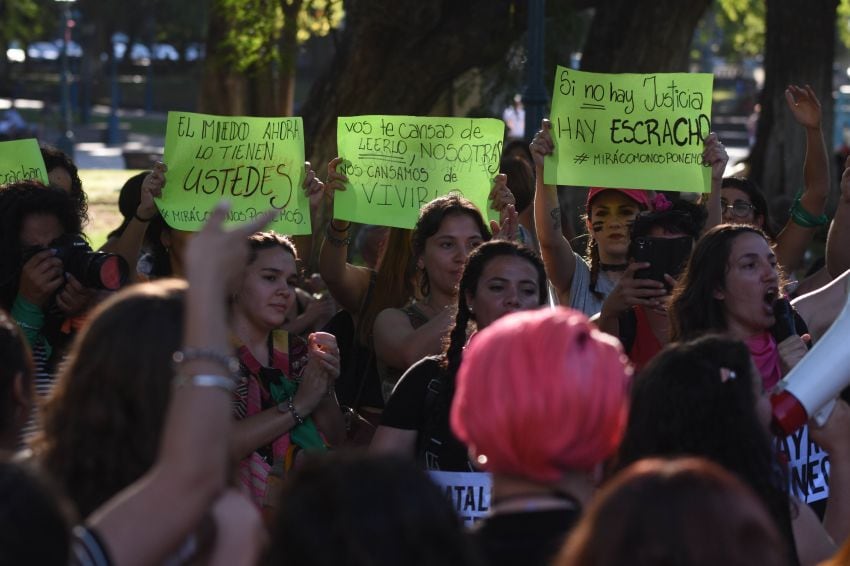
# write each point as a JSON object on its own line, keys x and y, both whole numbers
{"x": 21, "y": 160}
{"x": 630, "y": 131}
{"x": 397, "y": 164}
{"x": 255, "y": 163}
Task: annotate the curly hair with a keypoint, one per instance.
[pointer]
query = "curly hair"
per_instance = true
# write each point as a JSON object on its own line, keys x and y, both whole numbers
{"x": 55, "y": 157}
{"x": 681, "y": 404}
{"x": 431, "y": 218}
{"x": 694, "y": 310}
{"x": 17, "y": 202}
{"x": 103, "y": 423}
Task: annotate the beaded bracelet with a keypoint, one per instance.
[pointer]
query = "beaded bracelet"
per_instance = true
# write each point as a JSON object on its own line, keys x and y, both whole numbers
{"x": 228, "y": 362}
{"x": 338, "y": 242}
{"x": 227, "y": 384}
{"x": 804, "y": 218}
{"x": 291, "y": 405}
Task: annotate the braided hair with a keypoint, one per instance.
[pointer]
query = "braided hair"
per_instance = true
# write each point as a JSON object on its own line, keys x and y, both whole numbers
{"x": 456, "y": 338}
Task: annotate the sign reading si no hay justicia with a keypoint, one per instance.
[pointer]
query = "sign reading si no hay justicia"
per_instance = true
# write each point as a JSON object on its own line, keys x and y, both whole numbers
{"x": 255, "y": 163}
{"x": 634, "y": 131}
{"x": 397, "y": 164}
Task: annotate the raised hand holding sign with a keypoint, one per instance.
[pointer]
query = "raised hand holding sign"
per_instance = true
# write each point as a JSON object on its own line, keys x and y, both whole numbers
{"x": 254, "y": 163}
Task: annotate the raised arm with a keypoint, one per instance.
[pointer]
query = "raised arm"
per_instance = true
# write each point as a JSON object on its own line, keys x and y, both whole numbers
{"x": 558, "y": 256}
{"x": 129, "y": 244}
{"x": 399, "y": 346}
{"x": 838, "y": 240}
{"x": 314, "y": 189}
{"x": 347, "y": 283}
{"x": 145, "y": 522}
{"x": 834, "y": 439}
{"x": 714, "y": 155}
{"x": 806, "y": 215}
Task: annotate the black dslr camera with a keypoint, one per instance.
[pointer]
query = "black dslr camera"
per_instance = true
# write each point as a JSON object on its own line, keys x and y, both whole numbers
{"x": 664, "y": 255}
{"x": 95, "y": 270}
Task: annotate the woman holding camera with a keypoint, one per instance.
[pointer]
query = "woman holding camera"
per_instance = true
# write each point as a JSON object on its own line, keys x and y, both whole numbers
{"x": 37, "y": 287}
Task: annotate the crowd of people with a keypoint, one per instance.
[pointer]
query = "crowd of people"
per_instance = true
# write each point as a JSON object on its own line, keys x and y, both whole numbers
{"x": 464, "y": 393}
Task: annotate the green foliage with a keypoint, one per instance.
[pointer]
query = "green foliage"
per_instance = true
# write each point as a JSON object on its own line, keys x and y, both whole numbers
{"x": 744, "y": 24}
{"x": 732, "y": 29}
{"x": 22, "y": 20}
{"x": 843, "y": 18}
{"x": 318, "y": 18}
{"x": 256, "y": 27}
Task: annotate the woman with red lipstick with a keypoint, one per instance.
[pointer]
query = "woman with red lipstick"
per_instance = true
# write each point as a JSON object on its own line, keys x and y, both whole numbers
{"x": 285, "y": 402}
{"x": 500, "y": 277}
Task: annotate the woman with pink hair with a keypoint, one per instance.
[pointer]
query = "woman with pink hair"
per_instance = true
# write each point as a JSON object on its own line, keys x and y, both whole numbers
{"x": 541, "y": 402}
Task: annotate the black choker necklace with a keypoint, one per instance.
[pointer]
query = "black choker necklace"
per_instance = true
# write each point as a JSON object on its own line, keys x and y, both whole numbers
{"x": 613, "y": 266}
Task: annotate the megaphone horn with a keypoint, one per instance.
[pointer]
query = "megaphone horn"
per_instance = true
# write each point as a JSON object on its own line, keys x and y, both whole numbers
{"x": 810, "y": 389}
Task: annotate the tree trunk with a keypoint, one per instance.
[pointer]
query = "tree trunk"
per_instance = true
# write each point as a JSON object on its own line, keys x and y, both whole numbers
{"x": 399, "y": 56}
{"x": 641, "y": 36}
{"x": 288, "y": 53}
{"x": 223, "y": 91}
{"x": 800, "y": 45}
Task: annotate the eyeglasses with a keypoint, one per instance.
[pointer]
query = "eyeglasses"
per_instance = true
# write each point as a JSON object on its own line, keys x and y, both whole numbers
{"x": 739, "y": 208}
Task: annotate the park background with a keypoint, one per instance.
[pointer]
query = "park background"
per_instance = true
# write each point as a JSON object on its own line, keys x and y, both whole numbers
{"x": 98, "y": 76}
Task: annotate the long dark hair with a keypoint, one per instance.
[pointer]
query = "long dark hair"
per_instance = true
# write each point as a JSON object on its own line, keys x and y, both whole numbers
{"x": 694, "y": 310}
{"x": 102, "y": 425}
{"x": 475, "y": 264}
{"x": 696, "y": 398}
{"x": 456, "y": 337}
{"x": 431, "y": 218}
{"x": 393, "y": 283}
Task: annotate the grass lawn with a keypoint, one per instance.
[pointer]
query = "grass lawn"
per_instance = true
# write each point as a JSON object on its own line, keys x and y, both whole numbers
{"x": 103, "y": 187}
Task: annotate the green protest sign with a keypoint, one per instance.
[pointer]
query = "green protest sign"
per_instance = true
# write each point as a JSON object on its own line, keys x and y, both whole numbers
{"x": 630, "y": 131}
{"x": 396, "y": 164}
{"x": 255, "y": 163}
{"x": 21, "y": 160}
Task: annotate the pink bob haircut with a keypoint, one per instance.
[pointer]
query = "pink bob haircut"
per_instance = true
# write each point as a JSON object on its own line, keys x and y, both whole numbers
{"x": 540, "y": 393}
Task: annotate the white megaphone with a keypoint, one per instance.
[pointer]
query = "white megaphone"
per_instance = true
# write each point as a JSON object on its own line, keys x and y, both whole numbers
{"x": 810, "y": 389}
